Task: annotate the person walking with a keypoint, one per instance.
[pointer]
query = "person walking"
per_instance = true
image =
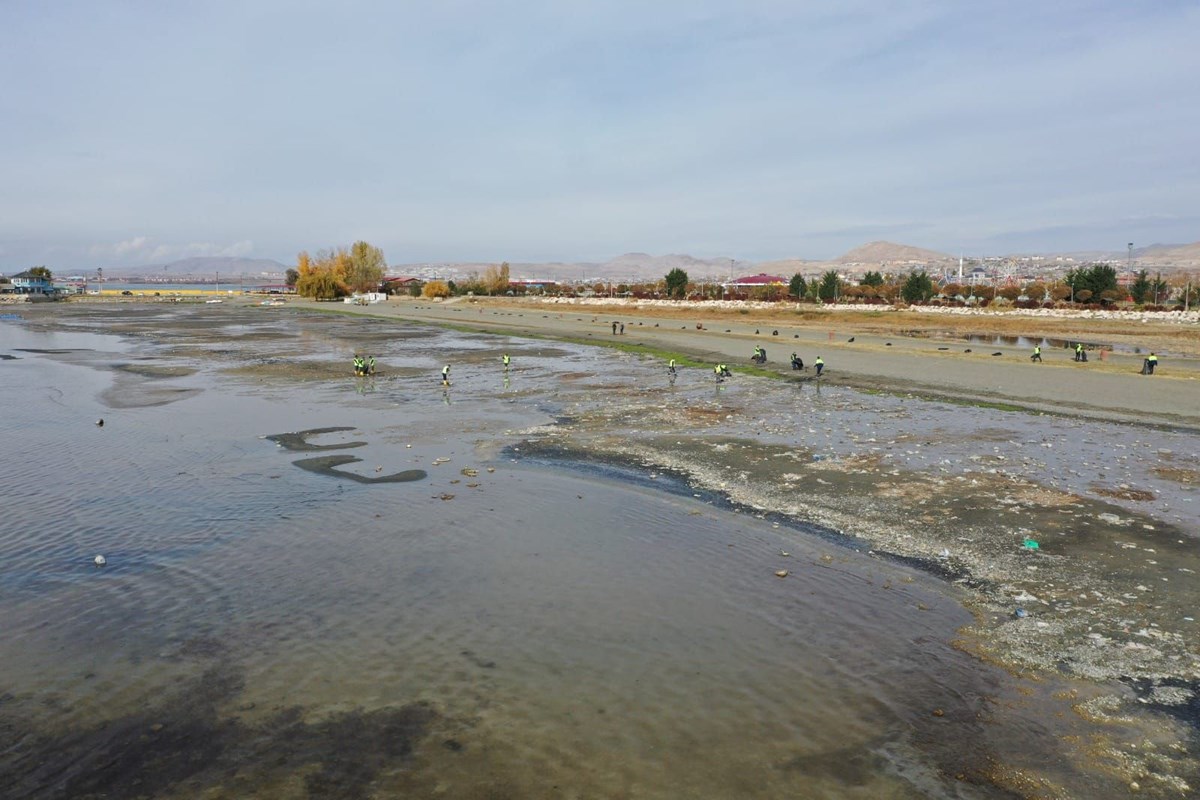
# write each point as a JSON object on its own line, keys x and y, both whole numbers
{"x": 506, "y": 361}
{"x": 622, "y": 328}
{"x": 614, "y": 329}
{"x": 1037, "y": 354}
{"x": 446, "y": 375}
{"x": 1079, "y": 356}
{"x": 671, "y": 367}
{"x": 820, "y": 365}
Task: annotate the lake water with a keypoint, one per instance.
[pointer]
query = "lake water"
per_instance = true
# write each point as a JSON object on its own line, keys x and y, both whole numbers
{"x": 499, "y": 628}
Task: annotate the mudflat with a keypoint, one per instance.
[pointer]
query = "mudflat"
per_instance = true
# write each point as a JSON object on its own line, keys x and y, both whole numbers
{"x": 928, "y": 354}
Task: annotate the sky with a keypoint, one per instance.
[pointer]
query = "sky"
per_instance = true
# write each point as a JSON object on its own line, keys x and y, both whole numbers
{"x": 137, "y": 132}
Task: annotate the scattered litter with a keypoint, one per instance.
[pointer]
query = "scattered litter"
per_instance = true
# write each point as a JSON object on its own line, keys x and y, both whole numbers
{"x": 99, "y": 561}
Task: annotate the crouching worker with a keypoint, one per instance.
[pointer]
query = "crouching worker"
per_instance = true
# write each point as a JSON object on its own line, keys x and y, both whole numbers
{"x": 1148, "y": 365}
{"x": 360, "y": 366}
{"x": 370, "y": 368}
{"x": 797, "y": 362}
{"x": 721, "y": 371}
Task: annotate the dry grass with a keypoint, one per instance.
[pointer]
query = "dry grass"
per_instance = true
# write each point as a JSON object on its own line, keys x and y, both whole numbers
{"x": 1157, "y": 335}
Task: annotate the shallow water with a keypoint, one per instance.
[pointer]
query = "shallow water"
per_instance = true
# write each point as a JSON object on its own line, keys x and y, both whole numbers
{"x": 497, "y": 628}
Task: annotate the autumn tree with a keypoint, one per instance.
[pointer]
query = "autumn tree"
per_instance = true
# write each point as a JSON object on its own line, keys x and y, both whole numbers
{"x": 767, "y": 293}
{"x": 951, "y": 290}
{"x": 1010, "y": 293}
{"x": 363, "y": 267}
{"x": 496, "y": 279}
{"x": 291, "y": 276}
{"x": 1059, "y": 292}
{"x": 434, "y": 289}
{"x": 40, "y": 272}
{"x": 320, "y": 285}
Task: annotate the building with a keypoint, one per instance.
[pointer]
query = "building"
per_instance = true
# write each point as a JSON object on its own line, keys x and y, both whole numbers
{"x": 25, "y": 283}
{"x": 761, "y": 279}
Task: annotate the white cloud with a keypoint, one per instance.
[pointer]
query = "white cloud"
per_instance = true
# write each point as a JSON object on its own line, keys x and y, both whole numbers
{"x": 142, "y": 250}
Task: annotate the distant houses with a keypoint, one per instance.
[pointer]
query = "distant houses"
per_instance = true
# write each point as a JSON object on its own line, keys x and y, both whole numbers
{"x": 33, "y": 286}
{"x": 27, "y": 283}
{"x": 761, "y": 279}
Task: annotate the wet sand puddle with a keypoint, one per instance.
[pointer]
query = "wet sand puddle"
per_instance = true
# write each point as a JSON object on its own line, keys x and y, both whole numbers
{"x": 494, "y": 628}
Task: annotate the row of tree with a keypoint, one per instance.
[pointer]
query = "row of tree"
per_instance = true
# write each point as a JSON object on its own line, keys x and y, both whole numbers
{"x": 338, "y": 272}
{"x": 360, "y": 268}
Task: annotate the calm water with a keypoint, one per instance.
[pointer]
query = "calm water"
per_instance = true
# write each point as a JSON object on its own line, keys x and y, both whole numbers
{"x": 496, "y": 629}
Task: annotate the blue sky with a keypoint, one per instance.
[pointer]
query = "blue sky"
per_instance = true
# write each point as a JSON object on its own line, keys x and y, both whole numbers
{"x": 141, "y": 132}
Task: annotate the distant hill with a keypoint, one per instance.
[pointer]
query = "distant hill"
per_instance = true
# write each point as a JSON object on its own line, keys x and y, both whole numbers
{"x": 876, "y": 253}
{"x": 644, "y": 265}
{"x": 205, "y": 267}
{"x": 788, "y": 267}
{"x": 637, "y": 266}
{"x": 1169, "y": 255}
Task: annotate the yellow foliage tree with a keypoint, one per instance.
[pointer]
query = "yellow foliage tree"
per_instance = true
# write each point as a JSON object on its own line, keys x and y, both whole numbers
{"x": 496, "y": 279}
{"x": 319, "y": 278}
{"x": 435, "y": 289}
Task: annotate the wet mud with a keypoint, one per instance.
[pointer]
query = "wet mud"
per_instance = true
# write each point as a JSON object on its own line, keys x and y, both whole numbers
{"x": 185, "y": 743}
{"x": 299, "y": 441}
{"x": 328, "y": 465}
{"x": 155, "y": 370}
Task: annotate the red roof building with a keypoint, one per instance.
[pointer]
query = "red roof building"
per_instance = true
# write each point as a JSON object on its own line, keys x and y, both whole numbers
{"x": 761, "y": 279}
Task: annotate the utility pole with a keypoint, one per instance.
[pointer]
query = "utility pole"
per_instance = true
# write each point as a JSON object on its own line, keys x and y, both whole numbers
{"x": 1157, "y": 283}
